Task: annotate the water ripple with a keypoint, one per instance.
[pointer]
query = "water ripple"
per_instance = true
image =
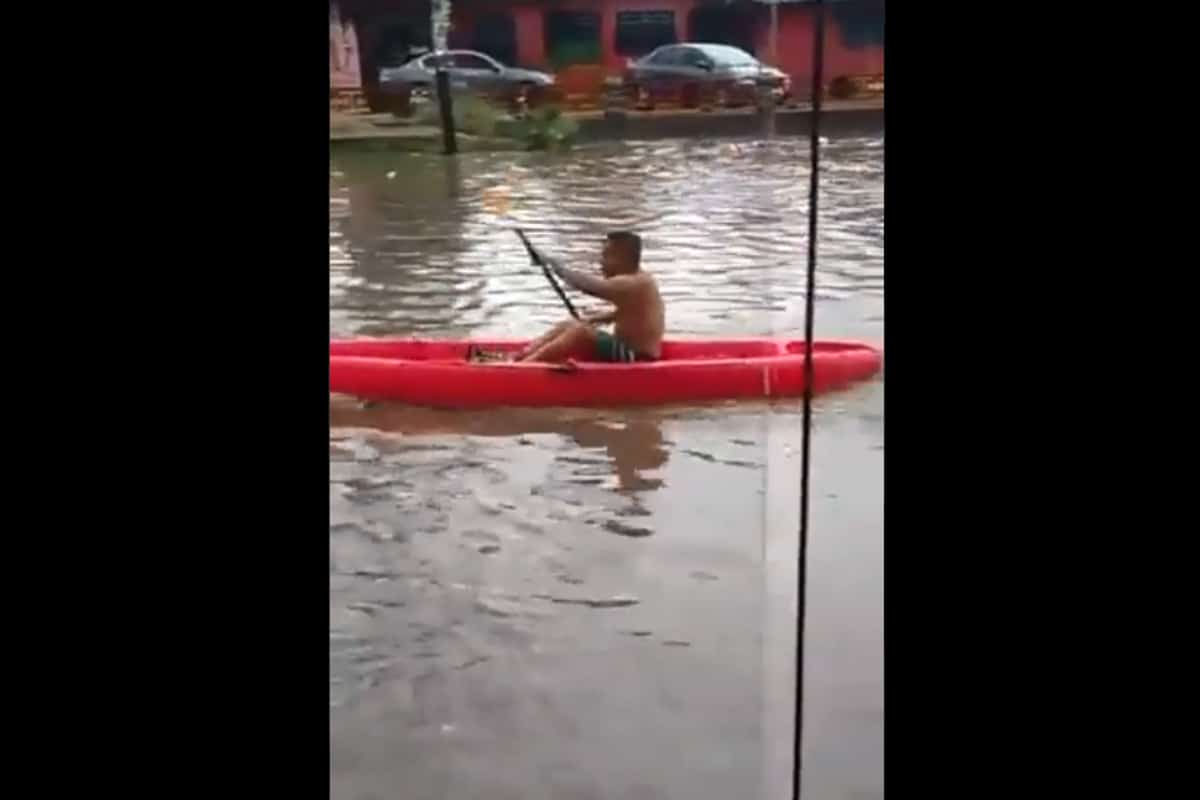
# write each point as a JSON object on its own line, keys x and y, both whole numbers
{"x": 500, "y": 575}
{"x": 724, "y": 226}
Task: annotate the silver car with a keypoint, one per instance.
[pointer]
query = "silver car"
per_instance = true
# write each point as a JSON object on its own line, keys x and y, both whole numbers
{"x": 468, "y": 70}
{"x": 729, "y": 73}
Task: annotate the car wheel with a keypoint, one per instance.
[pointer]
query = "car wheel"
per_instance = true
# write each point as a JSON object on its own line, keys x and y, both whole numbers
{"x": 526, "y": 94}
{"x": 642, "y": 99}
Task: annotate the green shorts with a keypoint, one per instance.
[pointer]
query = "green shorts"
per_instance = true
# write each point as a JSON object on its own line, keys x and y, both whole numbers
{"x": 610, "y": 348}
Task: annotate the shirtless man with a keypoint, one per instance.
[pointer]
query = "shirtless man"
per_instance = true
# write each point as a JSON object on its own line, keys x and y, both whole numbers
{"x": 638, "y": 315}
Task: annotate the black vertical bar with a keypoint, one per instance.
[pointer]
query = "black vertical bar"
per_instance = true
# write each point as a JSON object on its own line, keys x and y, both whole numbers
{"x": 806, "y": 446}
{"x": 446, "y": 105}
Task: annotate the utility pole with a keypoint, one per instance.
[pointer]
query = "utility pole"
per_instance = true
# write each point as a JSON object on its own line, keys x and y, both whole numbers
{"x": 439, "y": 21}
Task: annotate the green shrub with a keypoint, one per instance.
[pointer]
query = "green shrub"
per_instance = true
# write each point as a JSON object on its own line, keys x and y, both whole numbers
{"x": 842, "y": 88}
{"x": 472, "y": 114}
{"x": 545, "y": 129}
{"x": 569, "y": 53}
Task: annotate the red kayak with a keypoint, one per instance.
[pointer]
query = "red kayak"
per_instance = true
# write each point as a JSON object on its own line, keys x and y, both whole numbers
{"x": 438, "y": 373}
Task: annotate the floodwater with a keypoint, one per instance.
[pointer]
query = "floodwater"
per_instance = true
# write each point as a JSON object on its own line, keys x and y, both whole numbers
{"x": 600, "y": 603}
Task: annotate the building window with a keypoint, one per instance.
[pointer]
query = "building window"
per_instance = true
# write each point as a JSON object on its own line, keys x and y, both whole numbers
{"x": 861, "y": 23}
{"x": 639, "y": 32}
{"x": 572, "y": 37}
{"x": 722, "y": 25}
{"x": 496, "y": 35}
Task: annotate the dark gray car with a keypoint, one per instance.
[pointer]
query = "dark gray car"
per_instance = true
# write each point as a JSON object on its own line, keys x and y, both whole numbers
{"x": 468, "y": 70}
{"x": 727, "y": 73}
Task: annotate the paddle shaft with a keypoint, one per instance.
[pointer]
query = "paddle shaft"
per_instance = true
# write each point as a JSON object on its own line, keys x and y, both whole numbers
{"x": 536, "y": 258}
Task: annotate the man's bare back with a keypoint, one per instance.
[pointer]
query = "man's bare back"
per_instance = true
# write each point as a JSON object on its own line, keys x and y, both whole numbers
{"x": 639, "y": 317}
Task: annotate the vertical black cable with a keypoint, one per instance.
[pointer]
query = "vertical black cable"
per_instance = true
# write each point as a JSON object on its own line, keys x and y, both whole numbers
{"x": 809, "y": 297}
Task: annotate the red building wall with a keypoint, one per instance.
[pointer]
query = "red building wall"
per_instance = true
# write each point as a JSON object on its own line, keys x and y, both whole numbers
{"x": 531, "y": 39}
{"x": 795, "y": 34}
{"x": 529, "y": 18}
{"x": 795, "y": 48}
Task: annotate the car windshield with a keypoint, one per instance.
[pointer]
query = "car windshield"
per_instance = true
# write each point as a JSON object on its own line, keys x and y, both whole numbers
{"x": 727, "y": 56}
{"x": 664, "y": 55}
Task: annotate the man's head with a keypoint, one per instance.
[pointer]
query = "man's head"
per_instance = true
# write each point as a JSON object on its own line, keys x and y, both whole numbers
{"x": 622, "y": 254}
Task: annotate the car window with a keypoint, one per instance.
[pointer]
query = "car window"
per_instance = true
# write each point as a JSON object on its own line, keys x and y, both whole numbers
{"x": 694, "y": 58}
{"x": 664, "y": 57}
{"x": 730, "y": 56}
{"x": 470, "y": 61}
{"x": 436, "y": 62}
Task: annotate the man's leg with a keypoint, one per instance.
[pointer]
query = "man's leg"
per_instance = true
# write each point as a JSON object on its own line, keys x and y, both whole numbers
{"x": 543, "y": 339}
{"x": 577, "y": 340}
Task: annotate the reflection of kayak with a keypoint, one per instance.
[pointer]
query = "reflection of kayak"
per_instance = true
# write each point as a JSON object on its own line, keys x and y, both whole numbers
{"x": 437, "y": 373}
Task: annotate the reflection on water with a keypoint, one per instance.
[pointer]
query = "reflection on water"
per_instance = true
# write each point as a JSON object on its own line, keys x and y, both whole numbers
{"x": 633, "y": 445}
{"x": 724, "y": 232}
{"x": 582, "y": 603}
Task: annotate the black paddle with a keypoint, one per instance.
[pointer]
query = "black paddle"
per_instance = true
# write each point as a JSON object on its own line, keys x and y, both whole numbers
{"x": 536, "y": 258}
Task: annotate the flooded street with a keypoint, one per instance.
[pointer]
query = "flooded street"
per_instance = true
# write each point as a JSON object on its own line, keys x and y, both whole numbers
{"x": 601, "y": 604}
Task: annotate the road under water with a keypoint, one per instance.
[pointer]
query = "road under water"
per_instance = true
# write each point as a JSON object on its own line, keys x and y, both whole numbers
{"x": 600, "y": 603}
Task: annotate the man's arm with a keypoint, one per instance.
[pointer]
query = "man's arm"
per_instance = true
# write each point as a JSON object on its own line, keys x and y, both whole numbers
{"x": 600, "y": 317}
{"x": 611, "y": 289}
